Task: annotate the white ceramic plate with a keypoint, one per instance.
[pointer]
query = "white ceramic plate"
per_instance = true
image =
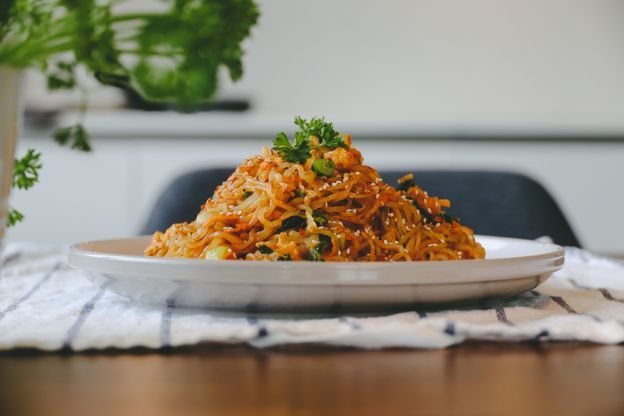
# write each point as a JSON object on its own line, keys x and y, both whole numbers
{"x": 511, "y": 267}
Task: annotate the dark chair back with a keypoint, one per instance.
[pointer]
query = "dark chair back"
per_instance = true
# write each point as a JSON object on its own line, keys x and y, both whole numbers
{"x": 492, "y": 203}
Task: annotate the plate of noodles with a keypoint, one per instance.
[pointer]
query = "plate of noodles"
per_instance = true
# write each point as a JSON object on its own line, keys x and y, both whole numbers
{"x": 307, "y": 225}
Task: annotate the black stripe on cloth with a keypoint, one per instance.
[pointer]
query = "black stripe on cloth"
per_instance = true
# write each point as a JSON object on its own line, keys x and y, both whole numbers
{"x": 607, "y": 295}
{"x": 450, "y": 328}
{"x": 538, "y": 337}
{"x": 353, "y": 325}
{"x": 564, "y": 305}
{"x": 604, "y": 292}
{"x": 252, "y": 320}
{"x": 501, "y": 315}
{"x": 30, "y": 292}
{"x": 251, "y": 310}
{"x": 559, "y": 301}
{"x": 165, "y": 323}
{"x": 86, "y": 310}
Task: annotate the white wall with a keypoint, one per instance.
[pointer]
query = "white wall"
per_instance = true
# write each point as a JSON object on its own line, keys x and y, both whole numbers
{"x": 529, "y": 62}
{"x": 546, "y": 64}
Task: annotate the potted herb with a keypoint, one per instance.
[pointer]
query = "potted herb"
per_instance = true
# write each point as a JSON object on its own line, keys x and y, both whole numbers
{"x": 171, "y": 55}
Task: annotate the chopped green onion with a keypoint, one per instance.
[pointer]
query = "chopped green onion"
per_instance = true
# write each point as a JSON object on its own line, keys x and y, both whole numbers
{"x": 217, "y": 253}
{"x": 315, "y": 253}
{"x": 319, "y": 218}
{"x": 324, "y": 167}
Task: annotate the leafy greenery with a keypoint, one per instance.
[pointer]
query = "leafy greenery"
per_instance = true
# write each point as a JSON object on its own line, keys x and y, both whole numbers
{"x": 431, "y": 218}
{"x": 25, "y": 176}
{"x": 295, "y": 222}
{"x": 298, "y": 151}
{"x": 316, "y": 253}
{"x": 406, "y": 185}
{"x": 26, "y": 170}
{"x": 75, "y": 135}
{"x": 14, "y": 217}
{"x": 324, "y": 167}
{"x": 177, "y": 52}
{"x": 323, "y": 130}
{"x": 319, "y": 218}
{"x": 173, "y": 55}
{"x": 264, "y": 249}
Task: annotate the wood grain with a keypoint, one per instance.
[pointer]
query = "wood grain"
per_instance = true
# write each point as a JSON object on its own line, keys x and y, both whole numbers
{"x": 474, "y": 379}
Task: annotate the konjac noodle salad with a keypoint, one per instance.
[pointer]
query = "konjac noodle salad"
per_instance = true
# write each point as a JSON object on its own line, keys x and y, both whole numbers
{"x": 312, "y": 198}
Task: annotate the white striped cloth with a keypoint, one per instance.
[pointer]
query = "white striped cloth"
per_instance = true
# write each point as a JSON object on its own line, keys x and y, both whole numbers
{"x": 46, "y": 305}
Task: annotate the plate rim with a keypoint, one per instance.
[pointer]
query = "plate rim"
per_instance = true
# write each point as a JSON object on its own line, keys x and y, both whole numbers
{"x": 76, "y": 250}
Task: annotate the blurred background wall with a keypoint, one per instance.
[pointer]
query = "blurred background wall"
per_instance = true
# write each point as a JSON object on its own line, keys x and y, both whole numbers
{"x": 529, "y": 86}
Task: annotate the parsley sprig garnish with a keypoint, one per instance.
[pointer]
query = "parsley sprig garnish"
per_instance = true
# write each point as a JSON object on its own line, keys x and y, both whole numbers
{"x": 298, "y": 150}
{"x": 25, "y": 176}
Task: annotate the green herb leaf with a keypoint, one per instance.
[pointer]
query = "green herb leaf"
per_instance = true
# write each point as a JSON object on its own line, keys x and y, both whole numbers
{"x": 430, "y": 218}
{"x": 447, "y": 217}
{"x": 247, "y": 194}
{"x": 319, "y": 218}
{"x": 285, "y": 257}
{"x": 423, "y": 212}
{"x": 76, "y": 136}
{"x": 63, "y": 77}
{"x": 292, "y": 223}
{"x": 26, "y": 170}
{"x": 321, "y": 129}
{"x": 264, "y": 249}
{"x": 297, "y": 152}
{"x": 14, "y": 217}
{"x": 406, "y": 185}
{"x": 315, "y": 253}
{"x": 324, "y": 167}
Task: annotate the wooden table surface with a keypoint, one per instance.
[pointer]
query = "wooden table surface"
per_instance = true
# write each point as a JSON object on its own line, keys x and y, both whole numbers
{"x": 474, "y": 379}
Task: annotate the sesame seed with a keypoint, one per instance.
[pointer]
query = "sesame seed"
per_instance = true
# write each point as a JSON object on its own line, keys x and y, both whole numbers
{"x": 377, "y": 196}
{"x": 349, "y": 250}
